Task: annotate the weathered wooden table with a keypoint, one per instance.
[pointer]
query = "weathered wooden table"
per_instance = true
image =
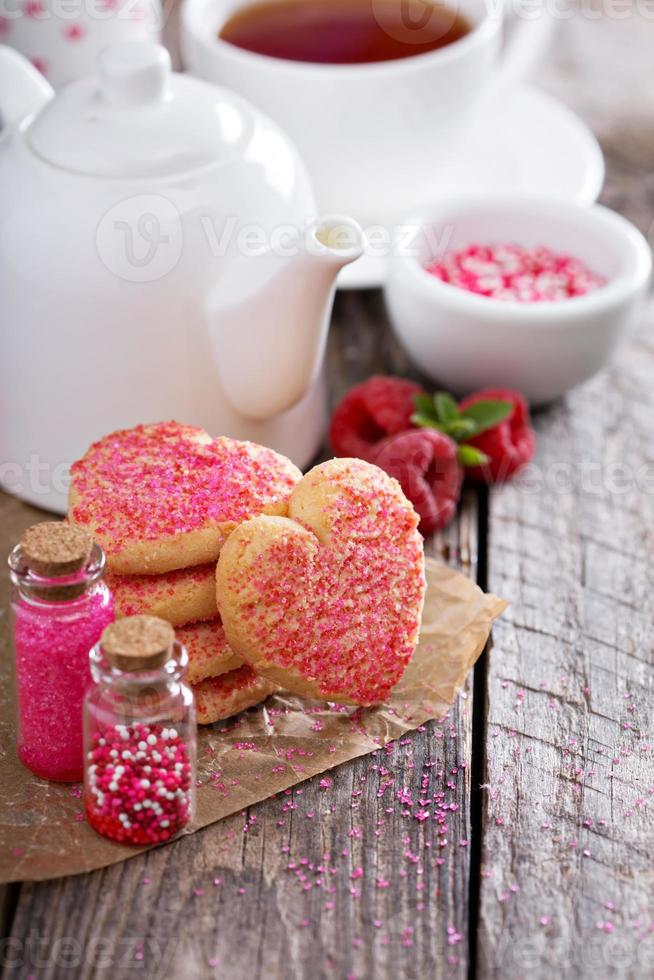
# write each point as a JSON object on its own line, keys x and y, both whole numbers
{"x": 542, "y": 775}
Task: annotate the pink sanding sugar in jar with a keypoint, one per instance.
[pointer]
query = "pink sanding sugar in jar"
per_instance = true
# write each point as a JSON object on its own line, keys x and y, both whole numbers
{"x": 515, "y": 273}
{"x": 60, "y": 606}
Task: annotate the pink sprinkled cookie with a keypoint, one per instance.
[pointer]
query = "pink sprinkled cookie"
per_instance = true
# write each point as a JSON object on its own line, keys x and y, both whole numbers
{"x": 221, "y": 697}
{"x": 181, "y": 597}
{"x": 209, "y": 653}
{"x": 165, "y": 496}
{"x": 327, "y": 602}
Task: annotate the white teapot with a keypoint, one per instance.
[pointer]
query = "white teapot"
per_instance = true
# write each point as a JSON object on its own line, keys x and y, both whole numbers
{"x": 160, "y": 259}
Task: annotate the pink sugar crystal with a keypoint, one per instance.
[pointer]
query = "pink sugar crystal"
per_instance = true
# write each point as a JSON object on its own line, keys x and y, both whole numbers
{"x": 514, "y": 273}
{"x": 159, "y": 481}
{"x": 296, "y": 601}
{"x": 52, "y": 642}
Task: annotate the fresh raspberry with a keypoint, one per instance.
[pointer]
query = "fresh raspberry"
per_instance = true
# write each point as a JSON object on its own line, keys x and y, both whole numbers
{"x": 509, "y": 445}
{"x": 426, "y": 465}
{"x": 379, "y": 407}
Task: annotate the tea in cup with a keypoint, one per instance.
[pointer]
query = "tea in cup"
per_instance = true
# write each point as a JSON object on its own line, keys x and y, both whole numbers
{"x": 374, "y": 93}
{"x": 343, "y": 32}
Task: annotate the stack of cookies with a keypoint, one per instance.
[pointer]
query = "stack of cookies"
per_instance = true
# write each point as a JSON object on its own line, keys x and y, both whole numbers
{"x": 161, "y": 501}
{"x": 314, "y": 584}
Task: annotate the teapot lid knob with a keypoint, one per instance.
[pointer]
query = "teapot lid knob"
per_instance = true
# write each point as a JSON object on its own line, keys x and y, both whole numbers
{"x": 134, "y": 73}
{"x": 137, "y": 118}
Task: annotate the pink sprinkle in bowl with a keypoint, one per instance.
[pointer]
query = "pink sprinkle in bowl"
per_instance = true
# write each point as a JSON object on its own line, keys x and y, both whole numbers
{"x": 464, "y": 341}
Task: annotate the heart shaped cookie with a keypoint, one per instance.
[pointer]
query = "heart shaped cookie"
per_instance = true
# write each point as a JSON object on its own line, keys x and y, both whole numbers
{"x": 327, "y": 601}
{"x": 165, "y": 496}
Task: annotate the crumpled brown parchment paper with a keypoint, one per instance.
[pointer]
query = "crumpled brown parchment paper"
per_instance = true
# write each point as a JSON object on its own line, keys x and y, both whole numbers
{"x": 43, "y": 833}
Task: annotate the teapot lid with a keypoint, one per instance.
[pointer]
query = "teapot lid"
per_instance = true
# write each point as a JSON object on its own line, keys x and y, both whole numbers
{"x": 137, "y": 118}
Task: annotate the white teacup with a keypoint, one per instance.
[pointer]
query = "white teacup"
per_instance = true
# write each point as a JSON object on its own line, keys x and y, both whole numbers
{"x": 371, "y": 135}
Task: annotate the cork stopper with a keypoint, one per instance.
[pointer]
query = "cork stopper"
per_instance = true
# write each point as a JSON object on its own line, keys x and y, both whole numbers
{"x": 54, "y": 549}
{"x": 138, "y": 642}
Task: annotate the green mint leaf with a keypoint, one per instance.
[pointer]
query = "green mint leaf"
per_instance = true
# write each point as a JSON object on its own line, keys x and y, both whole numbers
{"x": 447, "y": 409}
{"x": 426, "y": 421}
{"x": 424, "y": 405}
{"x": 471, "y": 456}
{"x": 487, "y": 413}
{"x": 460, "y": 429}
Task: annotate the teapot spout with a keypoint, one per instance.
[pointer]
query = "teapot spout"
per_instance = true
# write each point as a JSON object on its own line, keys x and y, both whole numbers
{"x": 269, "y": 339}
{"x": 336, "y": 240}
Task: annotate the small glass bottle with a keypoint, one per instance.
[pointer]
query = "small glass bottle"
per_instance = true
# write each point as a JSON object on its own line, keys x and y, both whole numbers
{"x": 60, "y": 606}
{"x": 139, "y": 734}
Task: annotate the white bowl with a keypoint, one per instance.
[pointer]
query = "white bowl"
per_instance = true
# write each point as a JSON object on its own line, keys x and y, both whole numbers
{"x": 465, "y": 341}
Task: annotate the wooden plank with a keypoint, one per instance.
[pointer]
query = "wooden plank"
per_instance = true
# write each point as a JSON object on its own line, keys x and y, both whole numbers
{"x": 389, "y": 900}
{"x": 569, "y": 780}
{"x": 569, "y": 776}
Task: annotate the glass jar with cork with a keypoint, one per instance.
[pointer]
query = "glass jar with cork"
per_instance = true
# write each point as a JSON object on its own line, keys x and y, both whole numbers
{"x": 59, "y": 607}
{"x": 139, "y": 734}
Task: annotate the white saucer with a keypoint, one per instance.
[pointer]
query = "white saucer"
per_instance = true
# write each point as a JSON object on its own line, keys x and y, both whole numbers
{"x": 531, "y": 142}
